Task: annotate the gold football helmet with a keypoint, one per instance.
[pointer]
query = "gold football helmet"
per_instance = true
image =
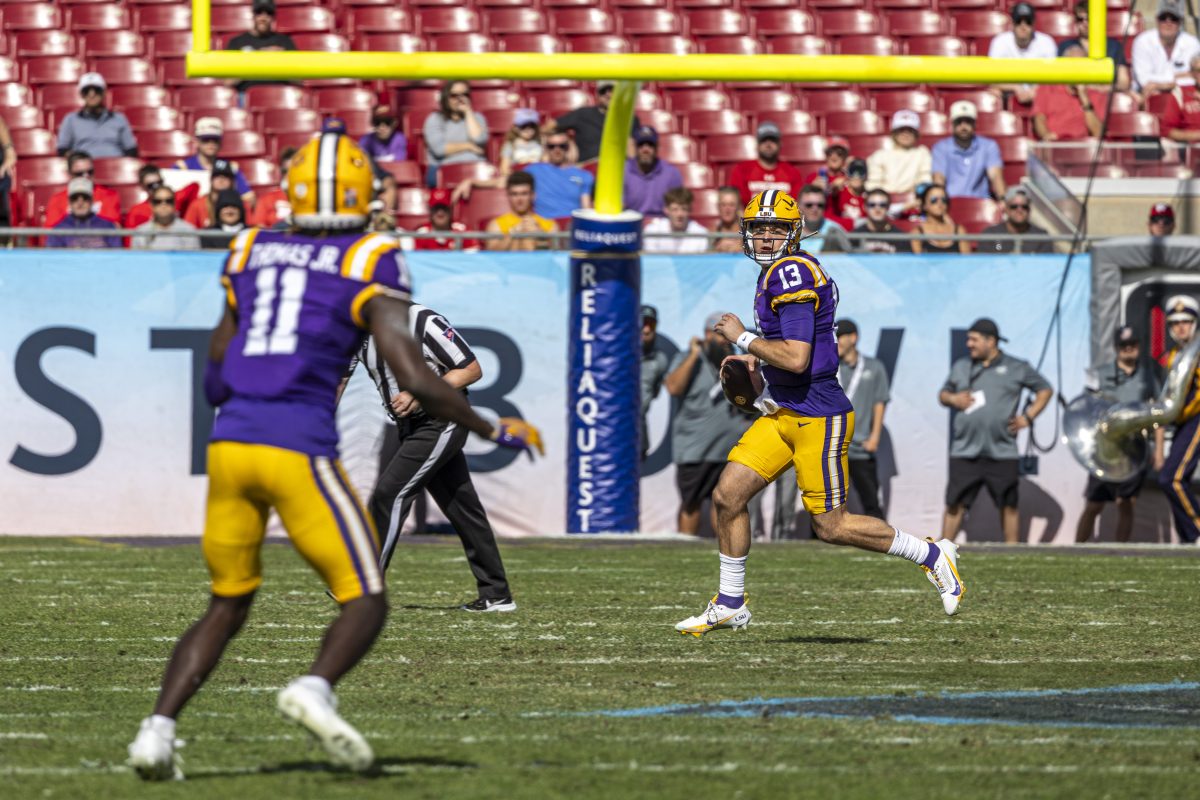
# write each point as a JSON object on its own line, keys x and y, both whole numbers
{"x": 330, "y": 183}
{"x": 771, "y": 209}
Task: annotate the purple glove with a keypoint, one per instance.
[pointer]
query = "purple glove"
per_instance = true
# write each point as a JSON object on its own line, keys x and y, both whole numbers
{"x": 517, "y": 434}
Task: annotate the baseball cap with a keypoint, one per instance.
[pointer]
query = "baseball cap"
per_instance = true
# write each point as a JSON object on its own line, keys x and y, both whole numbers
{"x": 858, "y": 168}
{"x": 1172, "y": 7}
{"x": 846, "y": 326}
{"x": 650, "y": 313}
{"x": 382, "y": 114}
{"x": 1014, "y": 192}
{"x": 645, "y": 135}
{"x": 79, "y": 186}
{"x": 525, "y": 116}
{"x": 837, "y": 141}
{"x": 1181, "y": 306}
{"x": 1126, "y": 335}
{"x": 906, "y": 118}
{"x": 440, "y": 197}
{"x": 222, "y": 166}
{"x": 264, "y": 7}
{"x": 209, "y": 127}
{"x": 963, "y": 109}
{"x": 1021, "y": 11}
{"x": 987, "y": 327}
{"x": 1162, "y": 210}
{"x": 768, "y": 130}
{"x": 90, "y": 79}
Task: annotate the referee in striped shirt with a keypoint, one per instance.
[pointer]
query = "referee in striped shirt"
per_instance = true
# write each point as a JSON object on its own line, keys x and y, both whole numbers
{"x": 423, "y": 452}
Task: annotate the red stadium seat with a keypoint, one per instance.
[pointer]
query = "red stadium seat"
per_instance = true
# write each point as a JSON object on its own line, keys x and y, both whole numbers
{"x": 461, "y": 43}
{"x": 52, "y": 69}
{"x": 34, "y": 142}
{"x": 580, "y": 21}
{"x": 282, "y": 141}
{"x": 758, "y": 5}
{"x": 232, "y": 19}
{"x": 736, "y": 45}
{"x": 720, "y": 22}
{"x": 924, "y": 22}
{"x": 487, "y": 100}
{"x": 447, "y": 20}
{"x": 156, "y": 18}
{"x": 692, "y": 4}
{"x": 890, "y": 101}
{"x": 21, "y": 117}
{"x": 132, "y": 95}
{"x": 974, "y": 213}
{"x": 380, "y": 19}
{"x": 98, "y": 44}
{"x": 1059, "y": 24}
{"x": 980, "y": 24}
{"x": 1118, "y": 20}
{"x": 277, "y": 96}
{"x": 405, "y": 173}
{"x": 322, "y": 42}
{"x": 259, "y": 172}
{"x": 43, "y": 172}
{"x": 934, "y": 124}
{"x": 825, "y": 5}
{"x": 154, "y": 145}
{"x": 798, "y": 45}
{"x": 890, "y": 5}
{"x": 622, "y": 5}
{"x": 357, "y": 120}
{"x": 730, "y": 148}
{"x": 243, "y": 144}
{"x": 305, "y": 19}
{"x": 696, "y": 176}
{"x": 958, "y": 5}
{"x": 505, "y": 21}
{"x": 232, "y": 118}
{"x": 169, "y": 44}
{"x": 349, "y": 97}
{"x": 597, "y": 43}
{"x": 822, "y": 102}
{"x": 490, "y": 4}
{"x": 58, "y": 96}
{"x": 695, "y": 99}
{"x": 862, "y": 146}
{"x": 1137, "y": 123}
{"x": 649, "y": 22}
{"x": 1013, "y": 149}
{"x": 1002, "y": 123}
{"x": 532, "y": 43}
{"x": 153, "y": 118}
{"x": 772, "y": 22}
{"x": 866, "y": 45}
{"x": 553, "y": 100}
{"x": 854, "y": 123}
{"x": 755, "y": 101}
{"x": 9, "y": 73}
{"x": 97, "y": 18}
{"x": 984, "y": 101}
{"x": 31, "y": 17}
{"x": 28, "y": 44}
{"x": 660, "y": 119}
{"x": 791, "y": 123}
{"x": 569, "y": 3}
{"x": 484, "y": 206}
{"x": 451, "y": 175}
{"x": 174, "y": 74}
{"x": 666, "y": 43}
{"x": 207, "y": 96}
{"x": 391, "y": 43}
{"x": 708, "y": 122}
{"x": 936, "y": 46}
{"x": 125, "y": 71}
{"x": 290, "y": 120}
{"x": 414, "y": 202}
{"x": 849, "y": 22}
{"x": 677, "y": 148}
{"x": 114, "y": 171}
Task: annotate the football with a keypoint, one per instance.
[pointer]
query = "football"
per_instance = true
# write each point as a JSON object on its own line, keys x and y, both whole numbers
{"x": 741, "y": 386}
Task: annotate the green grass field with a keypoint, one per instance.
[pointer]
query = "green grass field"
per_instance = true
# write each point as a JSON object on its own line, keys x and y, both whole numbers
{"x": 483, "y": 706}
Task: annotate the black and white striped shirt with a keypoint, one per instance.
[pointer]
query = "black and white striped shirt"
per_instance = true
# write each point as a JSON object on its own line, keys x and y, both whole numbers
{"x": 442, "y": 346}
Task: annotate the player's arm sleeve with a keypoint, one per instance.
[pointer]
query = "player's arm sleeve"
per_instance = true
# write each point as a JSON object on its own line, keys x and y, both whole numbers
{"x": 450, "y": 348}
{"x": 1034, "y": 380}
{"x": 797, "y": 322}
{"x": 793, "y": 280}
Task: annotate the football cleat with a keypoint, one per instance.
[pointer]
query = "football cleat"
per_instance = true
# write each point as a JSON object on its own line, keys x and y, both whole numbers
{"x": 717, "y": 616}
{"x": 483, "y": 605}
{"x": 345, "y": 746}
{"x": 944, "y": 575}
{"x": 153, "y": 755}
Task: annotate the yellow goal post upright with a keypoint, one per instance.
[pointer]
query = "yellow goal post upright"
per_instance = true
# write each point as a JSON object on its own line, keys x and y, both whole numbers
{"x": 603, "y": 402}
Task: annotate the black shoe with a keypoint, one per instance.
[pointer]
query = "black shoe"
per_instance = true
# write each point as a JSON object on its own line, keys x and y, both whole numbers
{"x": 483, "y": 604}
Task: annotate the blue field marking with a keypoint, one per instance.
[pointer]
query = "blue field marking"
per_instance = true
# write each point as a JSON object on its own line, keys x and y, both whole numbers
{"x": 1158, "y": 705}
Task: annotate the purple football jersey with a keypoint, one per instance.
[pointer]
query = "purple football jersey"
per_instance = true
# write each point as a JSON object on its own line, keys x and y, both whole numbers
{"x": 299, "y": 302}
{"x": 799, "y": 279}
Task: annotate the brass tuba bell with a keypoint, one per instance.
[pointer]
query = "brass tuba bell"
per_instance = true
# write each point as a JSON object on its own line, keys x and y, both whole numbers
{"x": 1109, "y": 438}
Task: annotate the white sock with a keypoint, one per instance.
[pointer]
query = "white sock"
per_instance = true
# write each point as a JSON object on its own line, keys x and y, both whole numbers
{"x": 733, "y": 576}
{"x": 163, "y": 726}
{"x": 317, "y": 684}
{"x": 908, "y": 546}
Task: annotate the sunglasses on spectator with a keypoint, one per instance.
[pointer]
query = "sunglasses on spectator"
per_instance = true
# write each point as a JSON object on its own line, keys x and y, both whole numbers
{"x": 460, "y": 94}
{"x": 150, "y": 187}
{"x": 1022, "y": 20}
{"x": 85, "y": 91}
{"x": 1161, "y": 221}
{"x": 1180, "y": 321}
{"x": 83, "y": 173}
{"x": 814, "y": 205}
{"x": 1168, "y": 18}
{"x": 383, "y": 121}
{"x": 556, "y": 145}
{"x": 162, "y": 201}
{"x": 1129, "y": 346}
{"x": 1015, "y": 206}
{"x": 877, "y": 205}
{"x": 1081, "y": 20}
{"x": 605, "y": 90}
{"x": 935, "y": 199}
{"x": 80, "y": 196}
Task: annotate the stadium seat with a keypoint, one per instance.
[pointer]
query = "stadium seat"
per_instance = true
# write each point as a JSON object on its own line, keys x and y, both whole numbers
{"x": 32, "y": 17}
{"x": 866, "y": 45}
{"x": 892, "y": 5}
{"x": 793, "y": 122}
{"x": 677, "y": 148}
{"x": 849, "y": 22}
{"x": 54, "y": 69}
{"x": 43, "y": 171}
{"x": 58, "y": 96}
{"x": 9, "y": 72}
{"x": 164, "y": 145}
{"x": 125, "y": 71}
{"x": 391, "y": 43}
{"x": 826, "y": 5}
{"x": 555, "y": 100}
{"x": 231, "y": 19}
{"x": 1000, "y": 123}
{"x": 923, "y": 22}
{"x": 597, "y": 43}
{"x": 451, "y": 175}
{"x": 173, "y": 72}
{"x": 621, "y": 5}
{"x": 207, "y": 96}
{"x": 173, "y": 44}
{"x": 696, "y": 99}
{"x": 936, "y": 46}
{"x": 822, "y": 102}
{"x": 22, "y": 117}
{"x": 379, "y": 19}
{"x": 350, "y": 97}
{"x": 730, "y": 148}
{"x": 34, "y": 142}
{"x": 305, "y": 19}
{"x": 505, "y": 21}
{"x": 758, "y": 5}
{"x": 275, "y": 96}
{"x": 798, "y": 45}
{"x": 649, "y": 22}
{"x": 774, "y": 22}
{"x": 259, "y": 172}
{"x": 888, "y": 102}
{"x": 153, "y": 118}
{"x": 670, "y": 44}
{"x": 720, "y": 22}
{"x": 854, "y": 123}
{"x": 688, "y": 5}
{"x": 243, "y": 144}
{"x": 114, "y": 171}
{"x": 97, "y": 18}
{"x": 1136, "y": 123}
{"x": 980, "y": 25}
{"x": 709, "y": 122}
{"x": 660, "y": 119}
{"x": 1058, "y": 24}
{"x": 1013, "y": 149}
{"x": 959, "y": 5}
{"x": 461, "y": 43}
{"x": 569, "y": 3}
{"x": 290, "y": 120}
{"x": 156, "y": 18}
{"x": 440, "y": 19}
{"x": 735, "y": 45}
{"x": 756, "y": 101}
{"x": 934, "y": 124}
{"x": 99, "y": 44}
{"x": 281, "y": 141}
{"x": 696, "y": 176}
{"x": 29, "y": 44}
{"x": 405, "y": 173}
{"x": 133, "y": 95}
{"x": 532, "y": 43}
{"x": 490, "y": 4}
{"x": 1119, "y": 20}
{"x": 985, "y": 101}
{"x": 357, "y": 120}
{"x": 580, "y": 21}
{"x": 974, "y": 213}
{"x": 484, "y": 206}
{"x": 232, "y": 118}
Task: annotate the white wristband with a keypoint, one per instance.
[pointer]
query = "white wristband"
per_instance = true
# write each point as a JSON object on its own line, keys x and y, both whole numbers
{"x": 745, "y": 339}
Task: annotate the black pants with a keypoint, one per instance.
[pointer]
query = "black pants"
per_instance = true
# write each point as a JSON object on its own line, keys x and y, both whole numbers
{"x": 864, "y": 477}
{"x": 426, "y": 453}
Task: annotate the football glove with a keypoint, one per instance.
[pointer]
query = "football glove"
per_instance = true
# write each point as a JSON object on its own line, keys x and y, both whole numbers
{"x": 518, "y": 434}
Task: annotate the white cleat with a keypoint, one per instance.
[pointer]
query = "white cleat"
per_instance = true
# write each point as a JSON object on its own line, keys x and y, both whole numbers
{"x": 345, "y": 746}
{"x": 153, "y": 755}
{"x": 717, "y": 616}
{"x": 944, "y": 575}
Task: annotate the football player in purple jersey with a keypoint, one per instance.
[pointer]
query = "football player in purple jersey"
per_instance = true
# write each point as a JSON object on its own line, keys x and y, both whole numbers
{"x": 298, "y": 304}
{"x": 806, "y": 421}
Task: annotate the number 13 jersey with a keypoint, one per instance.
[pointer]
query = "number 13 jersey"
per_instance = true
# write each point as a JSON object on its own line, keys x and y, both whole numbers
{"x": 299, "y": 301}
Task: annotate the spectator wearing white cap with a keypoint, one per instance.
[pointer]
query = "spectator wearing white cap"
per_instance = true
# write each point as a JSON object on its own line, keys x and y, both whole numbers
{"x": 209, "y": 131}
{"x": 903, "y": 163}
{"x": 967, "y": 164}
{"x": 83, "y": 217}
{"x": 1161, "y": 56}
{"x": 95, "y": 128}
{"x": 1021, "y": 42}
{"x": 1068, "y": 113}
{"x": 1162, "y": 220}
{"x": 767, "y": 171}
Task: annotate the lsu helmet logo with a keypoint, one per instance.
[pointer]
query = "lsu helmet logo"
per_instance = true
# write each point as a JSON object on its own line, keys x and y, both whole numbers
{"x": 773, "y": 209}
{"x": 330, "y": 184}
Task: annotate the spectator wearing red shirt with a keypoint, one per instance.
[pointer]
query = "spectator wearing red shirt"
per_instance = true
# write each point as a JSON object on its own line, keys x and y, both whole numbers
{"x": 202, "y": 212}
{"x": 106, "y": 203}
{"x": 1179, "y": 109}
{"x": 273, "y": 207}
{"x": 440, "y": 219}
{"x": 850, "y": 201}
{"x": 831, "y": 176}
{"x": 767, "y": 171}
{"x": 1067, "y": 113}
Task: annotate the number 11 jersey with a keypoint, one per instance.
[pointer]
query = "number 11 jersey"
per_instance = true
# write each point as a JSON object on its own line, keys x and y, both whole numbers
{"x": 299, "y": 301}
